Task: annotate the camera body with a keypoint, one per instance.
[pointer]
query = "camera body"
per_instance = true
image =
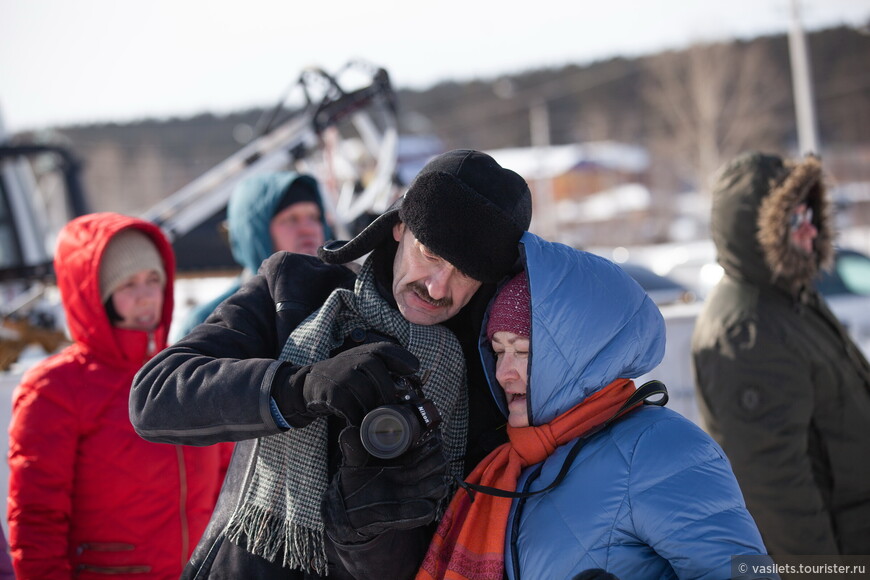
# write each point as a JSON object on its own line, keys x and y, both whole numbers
{"x": 391, "y": 430}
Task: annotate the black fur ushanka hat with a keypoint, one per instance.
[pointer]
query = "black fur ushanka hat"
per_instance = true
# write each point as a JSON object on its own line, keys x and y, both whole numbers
{"x": 464, "y": 207}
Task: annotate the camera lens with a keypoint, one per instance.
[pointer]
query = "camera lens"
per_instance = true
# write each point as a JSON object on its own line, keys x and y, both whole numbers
{"x": 389, "y": 431}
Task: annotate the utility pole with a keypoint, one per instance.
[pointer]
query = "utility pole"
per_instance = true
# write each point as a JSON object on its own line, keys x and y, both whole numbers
{"x": 539, "y": 121}
{"x": 802, "y": 84}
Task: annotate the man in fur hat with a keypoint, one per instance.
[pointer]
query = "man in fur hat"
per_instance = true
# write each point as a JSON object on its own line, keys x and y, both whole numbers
{"x": 781, "y": 385}
{"x": 290, "y": 364}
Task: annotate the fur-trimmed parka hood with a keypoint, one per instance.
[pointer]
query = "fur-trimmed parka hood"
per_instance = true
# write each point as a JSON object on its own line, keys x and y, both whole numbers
{"x": 753, "y": 199}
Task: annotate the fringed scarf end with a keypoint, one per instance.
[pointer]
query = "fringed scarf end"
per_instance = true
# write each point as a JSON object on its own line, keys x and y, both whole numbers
{"x": 268, "y": 536}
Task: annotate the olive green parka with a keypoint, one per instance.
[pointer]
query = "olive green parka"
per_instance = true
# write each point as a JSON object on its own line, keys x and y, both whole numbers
{"x": 780, "y": 384}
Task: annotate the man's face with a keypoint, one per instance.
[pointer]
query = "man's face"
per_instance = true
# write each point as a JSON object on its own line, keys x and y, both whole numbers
{"x": 297, "y": 228}
{"x": 427, "y": 288}
{"x": 802, "y": 231}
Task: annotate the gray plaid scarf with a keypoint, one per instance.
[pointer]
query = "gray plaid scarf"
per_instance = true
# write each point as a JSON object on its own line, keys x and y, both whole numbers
{"x": 278, "y": 517}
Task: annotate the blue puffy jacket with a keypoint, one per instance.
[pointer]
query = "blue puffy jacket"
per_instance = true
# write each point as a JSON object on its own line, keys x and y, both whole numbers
{"x": 652, "y": 496}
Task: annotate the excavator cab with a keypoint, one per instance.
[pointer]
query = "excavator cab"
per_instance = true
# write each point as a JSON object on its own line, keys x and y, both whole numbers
{"x": 40, "y": 191}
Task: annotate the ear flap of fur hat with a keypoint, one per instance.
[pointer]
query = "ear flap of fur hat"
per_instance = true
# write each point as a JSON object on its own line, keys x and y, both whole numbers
{"x": 342, "y": 252}
{"x": 129, "y": 251}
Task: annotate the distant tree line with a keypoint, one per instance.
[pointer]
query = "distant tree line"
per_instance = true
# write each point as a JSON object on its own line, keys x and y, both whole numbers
{"x": 692, "y": 109}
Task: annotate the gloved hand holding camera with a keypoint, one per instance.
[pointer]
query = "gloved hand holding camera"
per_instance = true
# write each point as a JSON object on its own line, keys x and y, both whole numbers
{"x": 349, "y": 385}
{"x": 391, "y": 430}
{"x": 369, "y": 496}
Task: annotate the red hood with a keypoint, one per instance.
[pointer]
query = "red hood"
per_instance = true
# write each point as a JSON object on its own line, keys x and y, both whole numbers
{"x": 80, "y": 248}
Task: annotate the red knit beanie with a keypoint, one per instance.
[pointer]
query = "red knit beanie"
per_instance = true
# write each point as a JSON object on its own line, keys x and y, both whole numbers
{"x": 511, "y": 310}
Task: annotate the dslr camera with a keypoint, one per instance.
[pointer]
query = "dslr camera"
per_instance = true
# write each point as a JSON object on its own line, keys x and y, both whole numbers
{"x": 390, "y": 430}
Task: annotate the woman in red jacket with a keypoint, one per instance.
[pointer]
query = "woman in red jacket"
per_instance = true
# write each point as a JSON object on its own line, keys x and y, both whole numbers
{"x": 88, "y": 498}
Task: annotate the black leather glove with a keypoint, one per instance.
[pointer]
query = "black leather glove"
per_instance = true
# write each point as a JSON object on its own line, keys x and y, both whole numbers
{"x": 349, "y": 385}
{"x": 369, "y": 496}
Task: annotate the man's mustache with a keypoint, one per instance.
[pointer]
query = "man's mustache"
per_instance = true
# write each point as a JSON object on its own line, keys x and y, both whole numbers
{"x": 420, "y": 290}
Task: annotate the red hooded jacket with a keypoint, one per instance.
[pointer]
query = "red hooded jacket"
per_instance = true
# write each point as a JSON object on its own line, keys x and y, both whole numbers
{"x": 87, "y": 496}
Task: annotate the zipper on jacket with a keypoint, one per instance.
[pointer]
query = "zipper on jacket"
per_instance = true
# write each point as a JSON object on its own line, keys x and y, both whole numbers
{"x": 113, "y": 570}
{"x": 182, "y": 501}
{"x": 104, "y": 547}
{"x": 515, "y": 524}
{"x": 151, "y": 349}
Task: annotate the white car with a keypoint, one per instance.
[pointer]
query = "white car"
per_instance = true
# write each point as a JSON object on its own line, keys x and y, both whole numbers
{"x": 846, "y": 289}
{"x": 662, "y": 289}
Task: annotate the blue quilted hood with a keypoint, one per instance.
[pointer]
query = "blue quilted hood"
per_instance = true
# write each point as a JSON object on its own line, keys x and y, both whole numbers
{"x": 591, "y": 324}
{"x": 250, "y": 210}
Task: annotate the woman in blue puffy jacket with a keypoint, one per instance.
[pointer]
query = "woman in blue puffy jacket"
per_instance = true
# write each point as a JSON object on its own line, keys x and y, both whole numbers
{"x": 595, "y": 478}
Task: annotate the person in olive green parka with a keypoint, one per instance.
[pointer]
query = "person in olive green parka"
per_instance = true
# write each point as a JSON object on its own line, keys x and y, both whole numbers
{"x": 780, "y": 384}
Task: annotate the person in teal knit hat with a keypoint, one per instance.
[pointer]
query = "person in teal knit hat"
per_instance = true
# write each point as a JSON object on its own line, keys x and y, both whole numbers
{"x": 268, "y": 213}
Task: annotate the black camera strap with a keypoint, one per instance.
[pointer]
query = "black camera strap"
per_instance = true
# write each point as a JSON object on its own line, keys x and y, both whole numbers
{"x": 644, "y": 394}
{"x": 360, "y": 336}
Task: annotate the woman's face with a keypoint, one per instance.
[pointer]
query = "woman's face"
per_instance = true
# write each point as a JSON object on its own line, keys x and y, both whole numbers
{"x": 512, "y": 373}
{"x": 139, "y": 301}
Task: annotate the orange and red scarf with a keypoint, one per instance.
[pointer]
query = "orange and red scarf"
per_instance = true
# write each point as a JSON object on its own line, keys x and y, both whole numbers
{"x": 469, "y": 541}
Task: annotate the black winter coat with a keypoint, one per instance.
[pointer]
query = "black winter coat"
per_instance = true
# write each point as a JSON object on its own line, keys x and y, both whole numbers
{"x": 782, "y": 387}
{"x": 216, "y": 383}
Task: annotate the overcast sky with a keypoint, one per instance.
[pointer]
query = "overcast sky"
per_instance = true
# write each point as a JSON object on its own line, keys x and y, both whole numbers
{"x": 79, "y": 61}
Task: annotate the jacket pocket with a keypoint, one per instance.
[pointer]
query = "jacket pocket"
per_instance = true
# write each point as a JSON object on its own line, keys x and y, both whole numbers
{"x": 108, "y": 547}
